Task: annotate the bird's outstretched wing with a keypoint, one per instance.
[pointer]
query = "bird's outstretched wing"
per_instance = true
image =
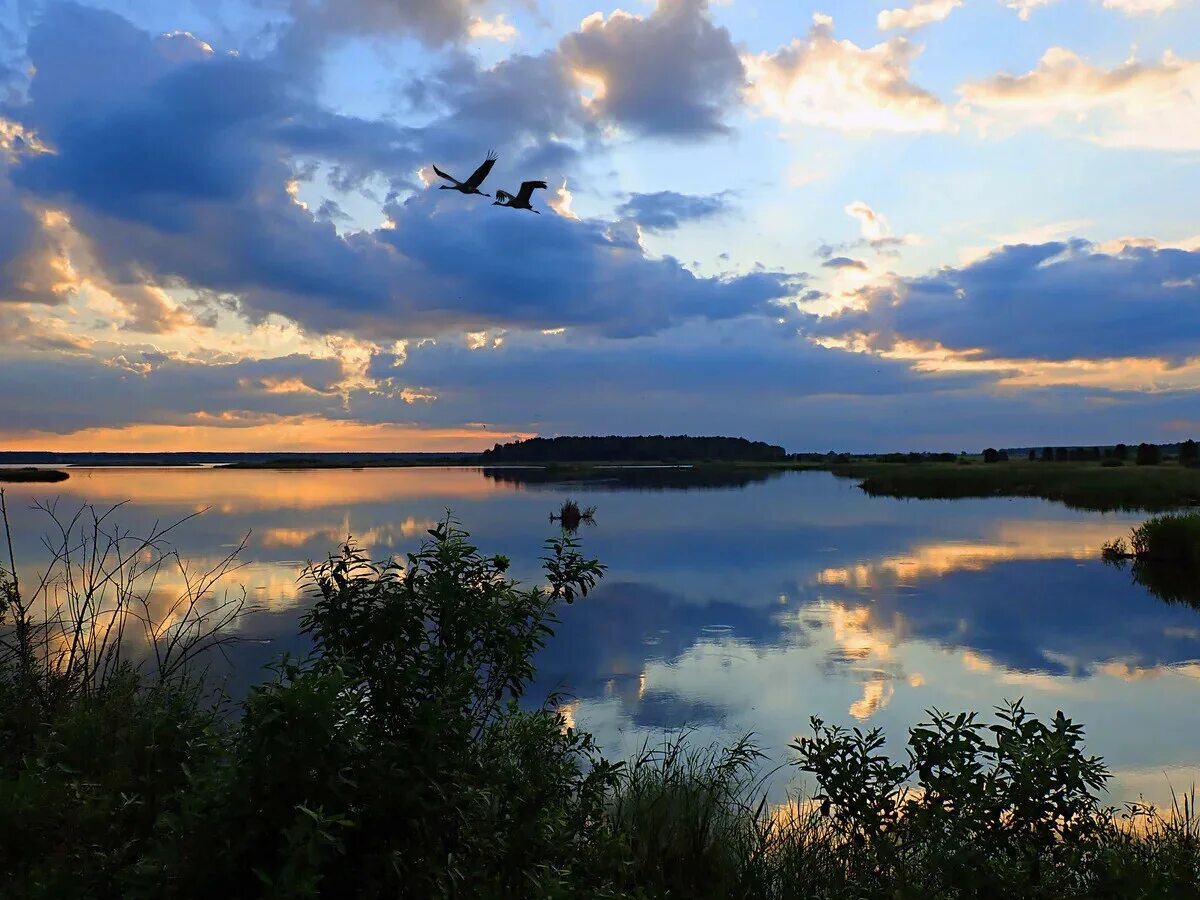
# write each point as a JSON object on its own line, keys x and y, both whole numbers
{"x": 527, "y": 189}
{"x": 504, "y": 196}
{"x": 481, "y": 173}
{"x": 442, "y": 174}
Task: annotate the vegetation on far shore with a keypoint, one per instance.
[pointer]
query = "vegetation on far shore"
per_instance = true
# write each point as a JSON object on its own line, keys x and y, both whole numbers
{"x": 32, "y": 475}
{"x": 395, "y": 761}
{"x": 1081, "y": 485}
{"x": 644, "y": 449}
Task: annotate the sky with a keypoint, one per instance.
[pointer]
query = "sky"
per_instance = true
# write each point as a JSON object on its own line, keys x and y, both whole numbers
{"x": 866, "y": 226}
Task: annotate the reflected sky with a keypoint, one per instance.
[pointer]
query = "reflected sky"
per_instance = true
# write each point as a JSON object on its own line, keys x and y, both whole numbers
{"x": 735, "y": 605}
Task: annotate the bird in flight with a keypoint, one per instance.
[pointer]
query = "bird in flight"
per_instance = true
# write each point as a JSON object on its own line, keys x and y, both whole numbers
{"x": 471, "y": 185}
{"x": 521, "y": 200}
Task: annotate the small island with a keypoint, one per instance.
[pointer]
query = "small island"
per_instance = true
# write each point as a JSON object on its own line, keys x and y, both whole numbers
{"x": 643, "y": 449}
{"x": 32, "y": 476}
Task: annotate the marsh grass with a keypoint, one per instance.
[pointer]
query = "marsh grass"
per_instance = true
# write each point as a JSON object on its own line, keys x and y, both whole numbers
{"x": 1165, "y": 556}
{"x": 1081, "y": 485}
{"x": 571, "y": 515}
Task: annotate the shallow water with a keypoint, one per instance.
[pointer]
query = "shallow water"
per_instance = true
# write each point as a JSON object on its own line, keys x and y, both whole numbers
{"x": 747, "y": 603}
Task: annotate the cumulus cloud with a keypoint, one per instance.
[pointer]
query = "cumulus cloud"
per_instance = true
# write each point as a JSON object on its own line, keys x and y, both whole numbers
{"x": 497, "y": 28}
{"x": 918, "y": 15}
{"x": 181, "y": 177}
{"x": 1053, "y": 301}
{"x": 673, "y": 73}
{"x": 1134, "y": 104}
{"x": 314, "y": 23}
{"x": 820, "y": 80}
{"x": 667, "y": 210}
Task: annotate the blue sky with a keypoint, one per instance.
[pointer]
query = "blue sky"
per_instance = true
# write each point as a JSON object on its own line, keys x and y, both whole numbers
{"x": 938, "y": 224}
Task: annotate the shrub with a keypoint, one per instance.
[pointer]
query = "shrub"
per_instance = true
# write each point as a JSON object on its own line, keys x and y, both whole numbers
{"x": 429, "y": 781}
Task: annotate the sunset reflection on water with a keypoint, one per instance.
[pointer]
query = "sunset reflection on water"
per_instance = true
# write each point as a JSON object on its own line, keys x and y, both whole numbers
{"x": 738, "y": 607}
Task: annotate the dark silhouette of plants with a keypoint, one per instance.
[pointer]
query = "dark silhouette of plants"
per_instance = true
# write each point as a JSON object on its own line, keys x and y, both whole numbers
{"x": 971, "y": 798}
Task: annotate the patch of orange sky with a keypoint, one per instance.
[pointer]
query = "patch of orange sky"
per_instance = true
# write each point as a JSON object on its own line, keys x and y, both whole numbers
{"x": 301, "y": 433}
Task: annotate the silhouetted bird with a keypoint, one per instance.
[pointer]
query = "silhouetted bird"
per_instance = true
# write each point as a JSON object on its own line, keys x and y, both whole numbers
{"x": 521, "y": 201}
{"x": 471, "y": 185}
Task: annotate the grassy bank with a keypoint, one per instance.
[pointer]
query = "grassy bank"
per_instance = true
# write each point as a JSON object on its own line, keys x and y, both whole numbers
{"x": 32, "y": 475}
{"x": 1164, "y": 553}
{"x": 1082, "y": 485}
{"x": 395, "y": 762}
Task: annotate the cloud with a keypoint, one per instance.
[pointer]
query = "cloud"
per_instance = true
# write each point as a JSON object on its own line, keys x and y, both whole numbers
{"x": 1053, "y": 301}
{"x": 498, "y": 28}
{"x": 667, "y": 210}
{"x": 175, "y": 170}
{"x": 314, "y": 24}
{"x": 918, "y": 15}
{"x": 1151, "y": 105}
{"x": 1142, "y": 7}
{"x": 671, "y": 74}
{"x": 820, "y": 80}
{"x": 874, "y": 226}
{"x": 1024, "y": 8}
{"x": 845, "y": 262}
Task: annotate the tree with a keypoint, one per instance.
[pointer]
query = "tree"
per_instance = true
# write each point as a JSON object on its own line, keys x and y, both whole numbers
{"x": 1121, "y": 452}
{"x": 1148, "y": 455}
{"x": 990, "y": 455}
{"x": 1033, "y": 456}
{"x": 1189, "y": 453}
{"x": 1047, "y": 454}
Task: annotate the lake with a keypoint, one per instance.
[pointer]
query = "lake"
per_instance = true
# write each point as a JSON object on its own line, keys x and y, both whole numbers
{"x": 735, "y": 602}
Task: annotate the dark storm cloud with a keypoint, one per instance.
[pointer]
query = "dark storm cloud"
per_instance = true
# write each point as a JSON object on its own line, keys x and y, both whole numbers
{"x": 1053, "y": 301}
{"x": 666, "y": 210}
{"x": 673, "y": 73}
{"x": 175, "y": 165}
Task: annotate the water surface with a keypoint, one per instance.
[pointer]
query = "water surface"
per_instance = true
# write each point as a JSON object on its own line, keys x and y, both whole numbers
{"x": 737, "y": 602}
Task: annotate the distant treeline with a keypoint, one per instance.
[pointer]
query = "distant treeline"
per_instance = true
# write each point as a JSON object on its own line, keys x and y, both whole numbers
{"x": 1187, "y": 453}
{"x": 648, "y": 448}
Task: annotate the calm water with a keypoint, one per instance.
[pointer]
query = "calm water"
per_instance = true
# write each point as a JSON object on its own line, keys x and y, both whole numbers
{"x": 738, "y": 607}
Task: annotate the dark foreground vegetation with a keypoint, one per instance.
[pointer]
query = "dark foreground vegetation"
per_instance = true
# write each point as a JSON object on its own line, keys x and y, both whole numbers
{"x": 395, "y": 761}
{"x": 1164, "y": 553}
{"x": 32, "y": 475}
